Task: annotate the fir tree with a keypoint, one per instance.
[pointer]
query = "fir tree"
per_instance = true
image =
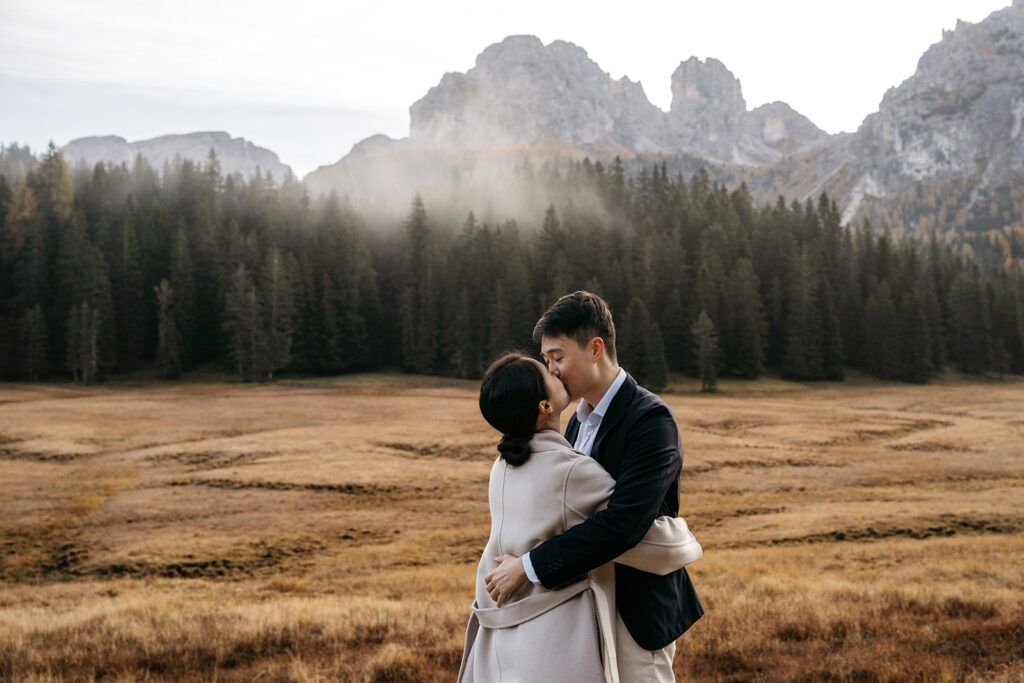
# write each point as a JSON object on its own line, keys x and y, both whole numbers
{"x": 34, "y": 342}
{"x": 882, "y": 334}
{"x": 83, "y": 358}
{"x": 804, "y": 357}
{"x": 744, "y": 354}
{"x": 243, "y": 323}
{"x": 631, "y": 341}
{"x": 418, "y": 317}
{"x": 168, "y": 353}
{"x": 279, "y": 305}
{"x": 970, "y": 336}
{"x": 707, "y": 348}
{"x": 182, "y": 283}
{"x": 915, "y": 363}
{"x": 655, "y": 367}
{"x": 129, "y": 306}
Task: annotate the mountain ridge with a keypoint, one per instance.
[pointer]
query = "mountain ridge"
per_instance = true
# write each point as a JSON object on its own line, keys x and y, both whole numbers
{"x": 235, "y": 155}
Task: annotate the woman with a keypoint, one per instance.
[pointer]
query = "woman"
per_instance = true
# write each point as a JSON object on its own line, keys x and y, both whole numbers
{"x": 539, "y": 486}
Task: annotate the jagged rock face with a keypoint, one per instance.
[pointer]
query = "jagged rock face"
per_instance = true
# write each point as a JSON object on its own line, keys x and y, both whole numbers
{"x": 521, "y": 92}
{"x": 707, "y": 108}
{"x": 709, "y": 117}
{"x": 236, "y": 155}
{"x": 958, "y": 115}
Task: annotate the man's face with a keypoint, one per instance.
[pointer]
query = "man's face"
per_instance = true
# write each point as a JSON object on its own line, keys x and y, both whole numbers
{"x": 573, "y": 366}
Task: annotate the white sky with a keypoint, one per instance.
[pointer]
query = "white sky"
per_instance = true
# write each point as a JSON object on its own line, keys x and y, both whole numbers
{"x": 309, "y": 79}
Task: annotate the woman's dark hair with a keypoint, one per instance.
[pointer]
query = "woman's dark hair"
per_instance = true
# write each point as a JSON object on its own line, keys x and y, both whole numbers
{"x": 580, "y": 316}
{"x": 511, "y": 389}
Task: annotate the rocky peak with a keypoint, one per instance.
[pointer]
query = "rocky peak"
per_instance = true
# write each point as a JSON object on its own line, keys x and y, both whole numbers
{"x": 706, "y": 83}
{"x": 709, "y": 117}
{"x": 523, "y": 92}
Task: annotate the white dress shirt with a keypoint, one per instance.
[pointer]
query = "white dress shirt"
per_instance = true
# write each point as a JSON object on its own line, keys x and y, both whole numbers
{"x": 590, "y": 421}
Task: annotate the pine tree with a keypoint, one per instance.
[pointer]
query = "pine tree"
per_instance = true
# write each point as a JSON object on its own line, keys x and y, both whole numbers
{"x": 915, "y": 352}
{"x": 882, "y": 334}
{"x": 83, "y": 357}
{"x": 831, "y": 338}
{"x": 182, "y": 283}
{"x": 655, "y": 367}
{"x": 970, "y": 335}
{"x": 129, "y": 306}
{"x": 707, "y": 348}
{"x": 746, "y": 322}
{"x": 417, "y": 306}
{"x": 631, "y": 341}
{"x": 242, "y": 320}
{"x": 34, "y": 342}
{"x": 933, "y": 315}
{"x": 279, "y": 306}
{"x": 169, "y": 351}
{"x": 499, "y": 323}
{"x": 677, "y": 334}
{"x": 1008, "y": 324}
{"x": 465, "y": 356}
{"x": 804, "y": 348}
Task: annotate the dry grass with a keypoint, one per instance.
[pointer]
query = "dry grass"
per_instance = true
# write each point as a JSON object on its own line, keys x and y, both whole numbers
{"x": 329, "y": 530}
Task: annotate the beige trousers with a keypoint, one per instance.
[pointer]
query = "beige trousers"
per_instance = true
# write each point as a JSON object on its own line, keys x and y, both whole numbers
{"x": 637, "y": 665}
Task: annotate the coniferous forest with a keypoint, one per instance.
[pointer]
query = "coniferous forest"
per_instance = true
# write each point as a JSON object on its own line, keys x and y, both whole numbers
{"x": 115, "y": 269}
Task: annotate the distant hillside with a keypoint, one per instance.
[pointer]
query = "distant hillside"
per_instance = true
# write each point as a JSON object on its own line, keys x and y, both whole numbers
{"x": 236, "y": 155}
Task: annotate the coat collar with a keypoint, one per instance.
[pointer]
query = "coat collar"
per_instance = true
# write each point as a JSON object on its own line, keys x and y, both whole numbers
{"x": 616, "y": 411}
{"x": 548, "y": 440}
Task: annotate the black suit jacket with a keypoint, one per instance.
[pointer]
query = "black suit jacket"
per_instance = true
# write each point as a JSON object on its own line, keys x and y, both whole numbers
{"x": 638, "y": 444}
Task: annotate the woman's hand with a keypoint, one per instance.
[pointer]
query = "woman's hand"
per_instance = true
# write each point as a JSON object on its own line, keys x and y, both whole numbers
{"x": 505, "y": 579}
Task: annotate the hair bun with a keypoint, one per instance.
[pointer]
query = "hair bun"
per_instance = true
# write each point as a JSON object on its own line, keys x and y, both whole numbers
{"x": 515, "y": 449}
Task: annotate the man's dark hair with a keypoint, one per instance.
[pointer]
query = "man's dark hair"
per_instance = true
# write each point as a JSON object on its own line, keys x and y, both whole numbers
{"x": 580, "y": 316}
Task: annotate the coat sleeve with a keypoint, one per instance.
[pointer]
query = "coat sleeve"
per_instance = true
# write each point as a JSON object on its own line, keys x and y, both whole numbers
{"x": 667, "y": 547}
{"x": 649, "y": 467}
{"x": 588, "y": 487}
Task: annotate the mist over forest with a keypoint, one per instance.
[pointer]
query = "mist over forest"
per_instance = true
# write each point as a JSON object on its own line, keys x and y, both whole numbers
{"x": 112, "y": 269}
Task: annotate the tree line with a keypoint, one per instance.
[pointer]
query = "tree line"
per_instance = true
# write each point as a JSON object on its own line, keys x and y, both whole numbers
{"x": 110, "y": 269}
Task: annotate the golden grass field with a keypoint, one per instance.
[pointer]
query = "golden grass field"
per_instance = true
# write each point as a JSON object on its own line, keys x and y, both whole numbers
{"x": 321, "y": 530}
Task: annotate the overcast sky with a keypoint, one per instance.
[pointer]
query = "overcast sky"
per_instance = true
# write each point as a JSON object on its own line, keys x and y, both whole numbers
{"x": 309, "y": 79}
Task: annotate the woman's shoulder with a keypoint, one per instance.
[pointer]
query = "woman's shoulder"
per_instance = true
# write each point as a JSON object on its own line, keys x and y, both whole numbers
{"x": 549, "y": 441}
{"x": 550, "y": 450}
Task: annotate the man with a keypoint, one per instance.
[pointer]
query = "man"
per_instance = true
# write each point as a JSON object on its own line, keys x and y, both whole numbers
{"x": 633, "y": 435}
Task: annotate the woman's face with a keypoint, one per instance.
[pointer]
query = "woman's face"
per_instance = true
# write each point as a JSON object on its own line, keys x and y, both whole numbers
{"x": 557, "y": 394}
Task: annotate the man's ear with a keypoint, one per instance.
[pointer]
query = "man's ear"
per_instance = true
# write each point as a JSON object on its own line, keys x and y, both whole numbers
{"x": 596, "y": 349}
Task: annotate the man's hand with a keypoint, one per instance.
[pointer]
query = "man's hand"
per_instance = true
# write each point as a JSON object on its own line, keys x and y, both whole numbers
{"x": 505, "y": 579}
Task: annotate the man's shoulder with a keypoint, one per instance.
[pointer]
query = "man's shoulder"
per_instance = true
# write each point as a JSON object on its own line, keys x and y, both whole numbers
{"x": 645, "y": 401}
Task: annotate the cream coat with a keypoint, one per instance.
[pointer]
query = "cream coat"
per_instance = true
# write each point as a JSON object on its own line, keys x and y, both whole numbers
{"x": 563, "y": 635}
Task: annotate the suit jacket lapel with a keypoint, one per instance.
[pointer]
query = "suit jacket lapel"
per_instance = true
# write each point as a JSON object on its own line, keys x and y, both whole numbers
{"x": 572, "y": 429}
{"x": 616, "y": 411}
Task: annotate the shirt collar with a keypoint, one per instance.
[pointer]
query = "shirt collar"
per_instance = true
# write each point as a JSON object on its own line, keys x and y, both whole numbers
{"x": 584, "y": 411}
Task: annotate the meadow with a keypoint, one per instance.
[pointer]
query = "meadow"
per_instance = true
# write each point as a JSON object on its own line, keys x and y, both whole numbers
{"x": 329, "y": 529}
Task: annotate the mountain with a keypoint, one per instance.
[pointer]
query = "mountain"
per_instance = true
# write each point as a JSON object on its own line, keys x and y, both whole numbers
{"x": 236, "y": 155}
{"x": 709, "y": 117}
{"x": 521, "y": 92}
{"x": 957, "y": 120}
{"x": 528, "y": 103}
{"x": 960, "y": 114}
{"x": 952, "y": 131}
